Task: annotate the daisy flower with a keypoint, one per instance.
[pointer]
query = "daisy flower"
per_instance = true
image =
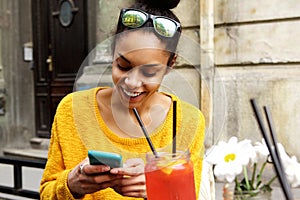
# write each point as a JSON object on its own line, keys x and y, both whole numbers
{"x": 292, "y": 171}
{"x": 229, "y": 158}
{"x": 261, "y": 151}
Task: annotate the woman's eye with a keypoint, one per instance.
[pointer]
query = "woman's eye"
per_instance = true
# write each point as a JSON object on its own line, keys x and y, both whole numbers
{"x": 124, "y": 68}
{"x": 148, "y": 73}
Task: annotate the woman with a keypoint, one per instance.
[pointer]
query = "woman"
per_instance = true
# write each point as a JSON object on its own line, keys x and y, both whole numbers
{"x": 103, "y": 118}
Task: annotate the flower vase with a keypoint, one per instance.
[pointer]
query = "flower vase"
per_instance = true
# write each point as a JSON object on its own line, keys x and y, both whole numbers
{"x": 230, "y": 194}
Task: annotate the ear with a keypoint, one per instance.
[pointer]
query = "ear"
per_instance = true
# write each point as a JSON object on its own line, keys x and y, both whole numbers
{"x": 171, "y": 63}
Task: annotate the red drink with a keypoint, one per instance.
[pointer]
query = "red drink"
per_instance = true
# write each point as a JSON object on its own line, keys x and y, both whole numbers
{"x": 170, "y": 179}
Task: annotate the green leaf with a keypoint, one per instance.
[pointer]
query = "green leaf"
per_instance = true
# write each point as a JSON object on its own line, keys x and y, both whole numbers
{"x": 266, "y": 188}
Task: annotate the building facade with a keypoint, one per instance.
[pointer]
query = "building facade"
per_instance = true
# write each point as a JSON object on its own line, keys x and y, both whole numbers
{"x": 231, "y": 51}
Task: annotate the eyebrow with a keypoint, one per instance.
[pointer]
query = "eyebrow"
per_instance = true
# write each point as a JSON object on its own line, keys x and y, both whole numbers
{"x": 123, "y": 57}
{"x": 150, "y": 65}
{"x": 146, "y": 65}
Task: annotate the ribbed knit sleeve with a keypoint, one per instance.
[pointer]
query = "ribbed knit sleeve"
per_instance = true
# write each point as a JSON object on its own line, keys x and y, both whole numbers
{"x": 197, "y": 151}
{"x": 54, "y": 181}
{"x": 66, "y": 150}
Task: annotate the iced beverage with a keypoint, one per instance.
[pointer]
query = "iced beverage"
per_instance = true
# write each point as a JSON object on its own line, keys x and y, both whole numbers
{"x": 170, "y": 177}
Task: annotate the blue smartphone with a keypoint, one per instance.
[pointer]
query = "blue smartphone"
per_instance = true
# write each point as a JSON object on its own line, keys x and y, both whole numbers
{"x": 113, "y": 160}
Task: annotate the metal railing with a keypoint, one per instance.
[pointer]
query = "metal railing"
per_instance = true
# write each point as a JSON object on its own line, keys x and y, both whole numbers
{"x": 18, "y": 163}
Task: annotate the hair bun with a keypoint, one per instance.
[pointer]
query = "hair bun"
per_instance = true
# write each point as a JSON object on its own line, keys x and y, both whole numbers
{"x": 165, "y": 4}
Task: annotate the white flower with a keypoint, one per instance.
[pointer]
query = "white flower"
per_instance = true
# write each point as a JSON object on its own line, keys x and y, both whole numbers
{"x": 292, "y": 171}
{"x": 229, "y": 158}
{"x": 261, "y": 151}
{"x": 283, "y": 155}
{"x": 291, "y": 166}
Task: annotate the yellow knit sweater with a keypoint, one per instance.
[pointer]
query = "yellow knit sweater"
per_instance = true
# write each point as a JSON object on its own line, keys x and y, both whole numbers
{"x": 78, "y": 126}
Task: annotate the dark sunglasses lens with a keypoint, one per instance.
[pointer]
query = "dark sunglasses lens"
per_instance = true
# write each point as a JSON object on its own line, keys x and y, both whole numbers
{"x": 165, "y": 27}
{"x": 133, "y": 18}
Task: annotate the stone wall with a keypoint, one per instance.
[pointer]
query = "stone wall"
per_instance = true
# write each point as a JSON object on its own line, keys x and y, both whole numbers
{"x": 16, "y": 79}
{"x": 257, "y": 56}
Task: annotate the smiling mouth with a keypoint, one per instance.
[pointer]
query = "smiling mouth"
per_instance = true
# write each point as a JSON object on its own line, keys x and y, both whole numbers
{"x": 131, "y": 94}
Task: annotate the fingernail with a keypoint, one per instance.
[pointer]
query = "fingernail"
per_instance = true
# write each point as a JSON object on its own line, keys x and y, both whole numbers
{"x": 114, "y": 171}
{"x": 107, "y": 168}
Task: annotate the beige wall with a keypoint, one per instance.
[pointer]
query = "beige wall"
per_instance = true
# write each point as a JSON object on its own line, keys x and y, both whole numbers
{"x": 257, "y": 55}
{"x": 107, "y": 17}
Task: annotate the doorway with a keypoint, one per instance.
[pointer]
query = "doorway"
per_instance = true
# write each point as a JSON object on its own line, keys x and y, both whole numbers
{"x": 60, "y": 43}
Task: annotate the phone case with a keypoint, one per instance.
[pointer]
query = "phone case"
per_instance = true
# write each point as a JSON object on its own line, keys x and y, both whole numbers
{"x": 113, "y": 160}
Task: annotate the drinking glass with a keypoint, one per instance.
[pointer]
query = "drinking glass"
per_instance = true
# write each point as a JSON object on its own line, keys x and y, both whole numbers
{"x": 170, "y": 176}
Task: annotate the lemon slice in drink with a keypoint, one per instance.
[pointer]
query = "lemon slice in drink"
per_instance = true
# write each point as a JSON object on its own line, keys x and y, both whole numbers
{"x": 169, "y": 168}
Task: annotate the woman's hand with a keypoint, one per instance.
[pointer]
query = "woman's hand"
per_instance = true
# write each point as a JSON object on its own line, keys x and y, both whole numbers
{"x": 86, "y": 179}
{"x": 133, "y": 183}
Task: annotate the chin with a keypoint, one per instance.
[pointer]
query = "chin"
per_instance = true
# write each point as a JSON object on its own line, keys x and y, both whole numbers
{"x": 131, "y": 105}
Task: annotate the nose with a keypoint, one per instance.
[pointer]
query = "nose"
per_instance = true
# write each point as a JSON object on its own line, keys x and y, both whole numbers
{"x": 133, "y": 80}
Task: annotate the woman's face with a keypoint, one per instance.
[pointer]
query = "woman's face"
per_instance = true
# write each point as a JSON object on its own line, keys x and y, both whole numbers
{"x": 140, "y": 63}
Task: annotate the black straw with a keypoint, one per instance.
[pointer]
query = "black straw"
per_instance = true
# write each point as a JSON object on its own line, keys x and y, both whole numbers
{"x": 279, "y": 172}
{"x": 273, "y": 134}
{"x": 274, "y": 139}
{"x": 174, "y": 128}
{"x": 145, "y": 132}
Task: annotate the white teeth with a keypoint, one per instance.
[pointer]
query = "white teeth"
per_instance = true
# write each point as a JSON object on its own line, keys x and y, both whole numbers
{"x": 132, "y": 94}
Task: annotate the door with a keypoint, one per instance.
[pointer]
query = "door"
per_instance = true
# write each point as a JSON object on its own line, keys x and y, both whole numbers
{"x": 60, "y": 46}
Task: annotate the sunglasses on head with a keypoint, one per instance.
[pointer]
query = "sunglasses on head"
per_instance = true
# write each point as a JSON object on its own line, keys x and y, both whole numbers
{"x": 134, "y": 18}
